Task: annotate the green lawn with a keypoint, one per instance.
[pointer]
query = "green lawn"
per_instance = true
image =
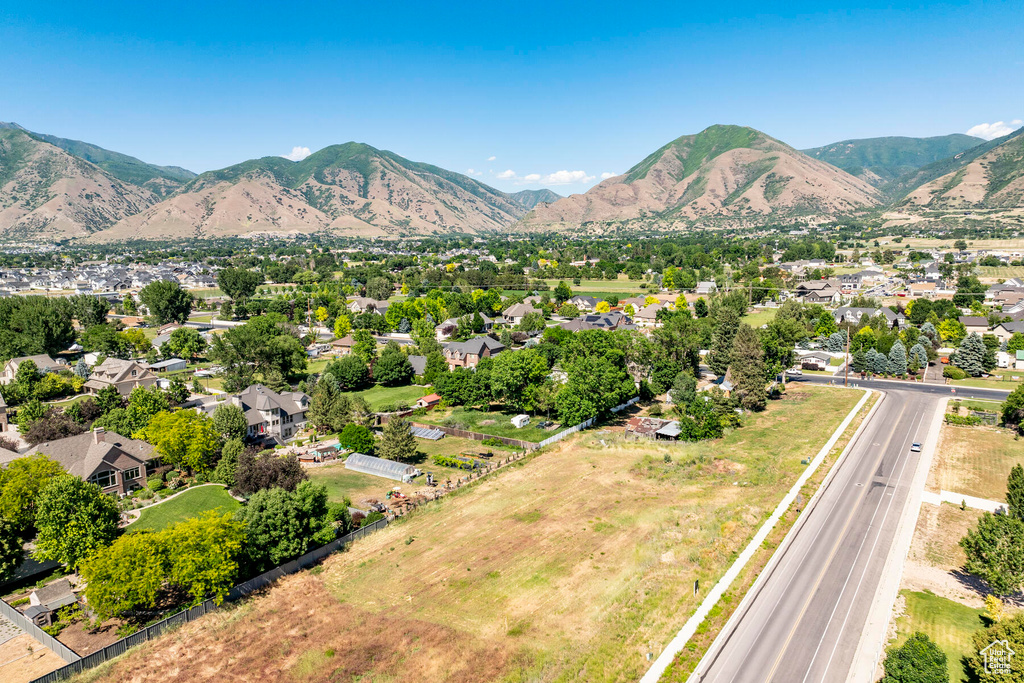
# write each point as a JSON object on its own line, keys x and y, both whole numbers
{"x": 759, "y": 317}
{"x": 379, "y": 396}
{"x": 191, "y": 503}
{"x": 946, "y": 622}
{"x": 495, "y": 422}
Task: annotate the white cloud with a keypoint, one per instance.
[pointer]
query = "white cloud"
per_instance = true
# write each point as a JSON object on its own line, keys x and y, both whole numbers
{"x": 491, "y": 158}
{"x": 531, "y": 177}
{"x": 473, "y": 171}
{"x": 567, "y": 177}
{"x": 298, "y": 153}
{"x": 606, "y": 175}
{"x": 507, "y": 175}
{"x": 990, "y": 131}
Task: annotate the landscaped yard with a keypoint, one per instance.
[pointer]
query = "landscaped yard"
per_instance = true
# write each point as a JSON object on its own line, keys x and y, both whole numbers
{"x": 759, "y": 317}
{"x": 948, "y": 623}
{"x": 999, "y": 379}
{"x": 975, "y": 461}
{"x": 191, "y": 503}
{"x": 378, "y": 396}
{"x": 495, "y": 422}
{"x": 572, "y": 565}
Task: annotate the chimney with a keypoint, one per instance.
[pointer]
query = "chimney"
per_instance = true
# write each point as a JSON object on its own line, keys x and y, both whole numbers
{"x": 98, "y": 434}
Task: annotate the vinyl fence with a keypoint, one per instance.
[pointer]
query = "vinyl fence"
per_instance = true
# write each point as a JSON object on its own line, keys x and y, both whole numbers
{"x": 78, "y": 664}
{"x": 583, "y": 425}
{"x": 478, "y": 436}
{"x": 25, "y": 624}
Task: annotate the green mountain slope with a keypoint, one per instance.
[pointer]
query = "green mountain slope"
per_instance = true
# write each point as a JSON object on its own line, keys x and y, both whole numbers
{"x": 531, "y": 198}
{"x": 880, "y": 161}
{"x": 162, "y": 180}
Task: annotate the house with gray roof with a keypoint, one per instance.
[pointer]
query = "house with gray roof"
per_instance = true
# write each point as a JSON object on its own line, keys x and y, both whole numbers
{"x": 124, "y": 375}
{"x": 467, "y": 354}
{"x": 113, "y": 462}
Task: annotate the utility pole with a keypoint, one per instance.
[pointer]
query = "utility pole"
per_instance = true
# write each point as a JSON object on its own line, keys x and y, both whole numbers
{"x": 846, "y": 378}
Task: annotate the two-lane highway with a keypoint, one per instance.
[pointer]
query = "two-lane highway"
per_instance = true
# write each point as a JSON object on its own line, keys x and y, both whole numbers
{"x": 804, "y": 619}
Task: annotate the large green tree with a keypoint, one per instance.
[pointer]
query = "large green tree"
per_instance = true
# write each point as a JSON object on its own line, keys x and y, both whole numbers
{"x": 393, "y": 367}
{"x": 397, "y": 441}
{"x": 238, "y": 283}
{"x": 350, "y": 372}
{"x": 186, "y": 342}
{"x": 266, "y": 345}
{"x": 281, "y": 525}
{"x": 74, "y": 519}
{"x": 515, "y": 377}
{"x": 34, "y": 325}
{"x": 727, "y": 324}
{"x": 184, "y": 438}
{"x": 748, "y": 372}
{"x": 1010, "y": 630}
{"x": 20, "y": 484}
{"x": 229, "y": 421}
{"x": 167, "y": 301}
{"x": 918, "y": 660}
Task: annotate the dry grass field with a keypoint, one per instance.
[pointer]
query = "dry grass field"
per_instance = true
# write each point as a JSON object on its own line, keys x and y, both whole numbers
{"x": 975, "y": 461}
{"x": 571, "y": 565}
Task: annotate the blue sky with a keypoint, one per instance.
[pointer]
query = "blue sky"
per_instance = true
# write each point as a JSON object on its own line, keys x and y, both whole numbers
{"x": 525, "y": 94}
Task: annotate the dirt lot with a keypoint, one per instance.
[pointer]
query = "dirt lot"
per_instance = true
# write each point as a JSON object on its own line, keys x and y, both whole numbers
{"x": 23, "y": 659}
{"x": 935, "y": 559}
{"x": 572, "y": 565}
{"x": 975, "y": 461}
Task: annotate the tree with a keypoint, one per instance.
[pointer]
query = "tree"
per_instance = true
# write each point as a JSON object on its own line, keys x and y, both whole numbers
{"x": 1010, "y": 630}
{"x": 280, "y": 525}
{"x": 1013, "y": 409}
{"x": 562, "y": 293}
{"x": 20, "y": 484}
{"x": 602, "y": 307}
{"x": 205, "y": 555}
{"x": 969, "y": 290}
{"x": 31, "y": 411}
{"x": 700, "y": 421}
{"x": 397, "y": 442}
{"x": 918, "y": 660}
{"x": 186, "y": 342}
{"x": 920, "y": 354}
{"x": 1015, "y": 492}
{"x": 89, "y": 310}
{"x": 995, "y": 552}
{"x": 238, "y": 283}
{"x": 951, "y": 330}
{"x": 342, "y": 326}
{"x": 727, "y": 323}
{"x": 11, "y": 552}
{"x": 167, "y": 301}
{"x": 748, "y": 369}
{"x": 229, "y": 421}
{"x": 898, "y": 359}
{"x": 1016, "y": 343}
{"x": 379, "y": 288}
{"x": 81, "y": 369}
{"x": 568, "y": 311}
{"x": 970, "y": 357}
{"x": 54, "y": 425}
{"x": 436, "y": 365}
{"x": 35, "y": 324}
{"x": 74, "y": 519}
{"x": 184, "y": 438}
{"x": 532, "y": 322}
{"x": 108, "y": 398}
{"x": 127, "y": 575}
{"x": 700, "y": 308}
{"x": 266, "y": 344}
{"x": 357, "y": 438}
{"x": 826, "y": 325}
{"x": 836, "y": 342}
{"x": 263, "y": 471}
{"x": 684, "y": 389}
{"x": 515, "y": 376}
{"x": 393, "y": 368}
{"x": 350, "y": 372}
{"x": 364, "y": 346}
{"x": 859, "y": 362}
{"x": 106, "y": 340}
{"x": 226, "y": 467}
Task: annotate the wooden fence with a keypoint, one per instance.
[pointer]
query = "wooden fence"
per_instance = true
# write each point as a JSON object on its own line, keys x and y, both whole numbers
{"x": 79, "y": 664}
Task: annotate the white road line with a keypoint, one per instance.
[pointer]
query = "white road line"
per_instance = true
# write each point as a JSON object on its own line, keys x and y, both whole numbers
{"x": 905, "y": 456}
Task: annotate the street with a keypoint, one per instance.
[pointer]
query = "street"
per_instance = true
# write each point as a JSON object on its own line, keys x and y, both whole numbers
{"x": 804, "y": 620}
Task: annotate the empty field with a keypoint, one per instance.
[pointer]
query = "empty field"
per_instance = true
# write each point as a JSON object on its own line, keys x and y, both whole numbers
{"x": 572, "y": 565}
{"x": 495, "y": 423}
{"x": 975, "y": 461}
{"x": 191, "y": 503}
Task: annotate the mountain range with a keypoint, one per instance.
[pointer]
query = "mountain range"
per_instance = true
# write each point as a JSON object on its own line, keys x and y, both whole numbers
{"x": 54, "y": 189}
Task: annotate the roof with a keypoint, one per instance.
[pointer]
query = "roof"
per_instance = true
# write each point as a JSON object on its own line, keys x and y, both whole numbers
{"x": 42, "y": 361}
{"x": 425, "y": 433}
{"x": 82, "y": 455}
{"x": 56, "y": 594}
{"x": 672, "y": 429}
{"x": 259, "y": 397}
{"x": 389, "y": 469}
{"x": 973, "y": 321}
{"x": 419, "y": 364}
{"x": 519, "y": 310}
{"x": 116, "y": 370}
{"x": 166, "y": 363}
{"x": 474, "y": 347}
{"x": 431, "y": 398}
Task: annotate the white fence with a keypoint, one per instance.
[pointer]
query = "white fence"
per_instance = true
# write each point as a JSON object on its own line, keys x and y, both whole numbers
{"x": 583, "y": 425}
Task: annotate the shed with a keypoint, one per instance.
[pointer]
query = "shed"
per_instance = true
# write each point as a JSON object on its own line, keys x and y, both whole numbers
{"x": 378, "y": 467}
{"x": 169, "y": 365}
{"x": 520, "y": 421}
{"x": 47, "y": 600}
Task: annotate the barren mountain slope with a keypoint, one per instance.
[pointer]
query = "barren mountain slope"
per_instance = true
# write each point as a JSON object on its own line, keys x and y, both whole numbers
{"x": 351, "y": 188}
{"x": 48, "y": 194}
{"x": 992, "y": 180}
{"x": 724, "y": 171}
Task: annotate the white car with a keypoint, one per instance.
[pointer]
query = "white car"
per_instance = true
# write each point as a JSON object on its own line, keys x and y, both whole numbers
{"x": 794, "y": 372}
{"x": 915, "y": 447}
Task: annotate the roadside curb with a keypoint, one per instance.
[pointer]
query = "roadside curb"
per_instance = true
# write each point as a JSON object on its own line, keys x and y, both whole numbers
{"x": 873, "y": 637}
{"x": 677, "y": 643}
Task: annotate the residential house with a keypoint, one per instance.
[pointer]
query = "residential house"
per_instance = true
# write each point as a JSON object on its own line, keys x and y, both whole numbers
{"x": 448, "y": 327}
{"x": 343, "y": 346}
{"x": 849, "y": 314}
{"x": 361, "y": 304}
{"x": 815, "y": 361}
{"x": 584, "y": 303}
{"x": 43, "y": 364}
{"x": 1004, "y": 331}
{"x": 515, "y": 313}
{"x": 824, "y": 292}
{"x": 974, "y": 323}
{"x": 597, "y": 321}
{"x": 125, "y": 375}
{"x": 467, "y": 354}
{"x": 648, "y": 315}
{"x": 115, "y": 463}
{"x": 925, "y": 290}
{"x": 271, "y": 416}
{"x": 705, "y": 288}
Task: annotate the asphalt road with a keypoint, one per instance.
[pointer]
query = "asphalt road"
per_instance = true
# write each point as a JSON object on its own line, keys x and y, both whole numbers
{"x": 940, "y": 390}
{"x": 804, "y": 621}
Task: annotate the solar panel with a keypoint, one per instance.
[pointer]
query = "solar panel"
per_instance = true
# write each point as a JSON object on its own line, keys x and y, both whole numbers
{"x": 423, "y": 433}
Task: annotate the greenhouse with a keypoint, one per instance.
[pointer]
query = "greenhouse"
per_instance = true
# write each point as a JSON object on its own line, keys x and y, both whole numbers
{"x": 378, "y": 467}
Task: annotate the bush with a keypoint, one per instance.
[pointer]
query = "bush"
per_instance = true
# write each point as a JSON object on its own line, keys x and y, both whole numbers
{"x": 156, "y": 485}
{"x": 144, "y": 494}
{"x": 953, "y": 373}
{"x": 455, "y": 462}
{"x": 963, "y": 421}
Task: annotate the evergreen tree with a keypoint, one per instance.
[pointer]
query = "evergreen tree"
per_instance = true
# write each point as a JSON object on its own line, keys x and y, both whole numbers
{"x": 898, "y": 359}
{"x": 836, "y": 342}
{"x": 920, "y": 354}
{"x": 1015, "y": 492}
{"x": 859, "y": 362}
{"x": 748, "y": 369}
{"x": 970, "y": 357}
{"x": 81, "y": 369}
{"x": 727, "y": 323}
{"x": 398, "y": 442}
{"x": 393, "y": 368}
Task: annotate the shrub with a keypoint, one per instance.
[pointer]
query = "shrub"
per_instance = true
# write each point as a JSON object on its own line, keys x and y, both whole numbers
{"x": 953, "y": 372}
{"x": 156, "y": 484}
{"x": 455, "y": 462}
{"x": 963, "y": 421}
{"x": 144, "y": 494}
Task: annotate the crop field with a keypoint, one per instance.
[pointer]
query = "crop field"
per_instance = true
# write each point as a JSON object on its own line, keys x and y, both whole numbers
{"x": 975, "y": 461}
{"x": 571, "y": 565}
